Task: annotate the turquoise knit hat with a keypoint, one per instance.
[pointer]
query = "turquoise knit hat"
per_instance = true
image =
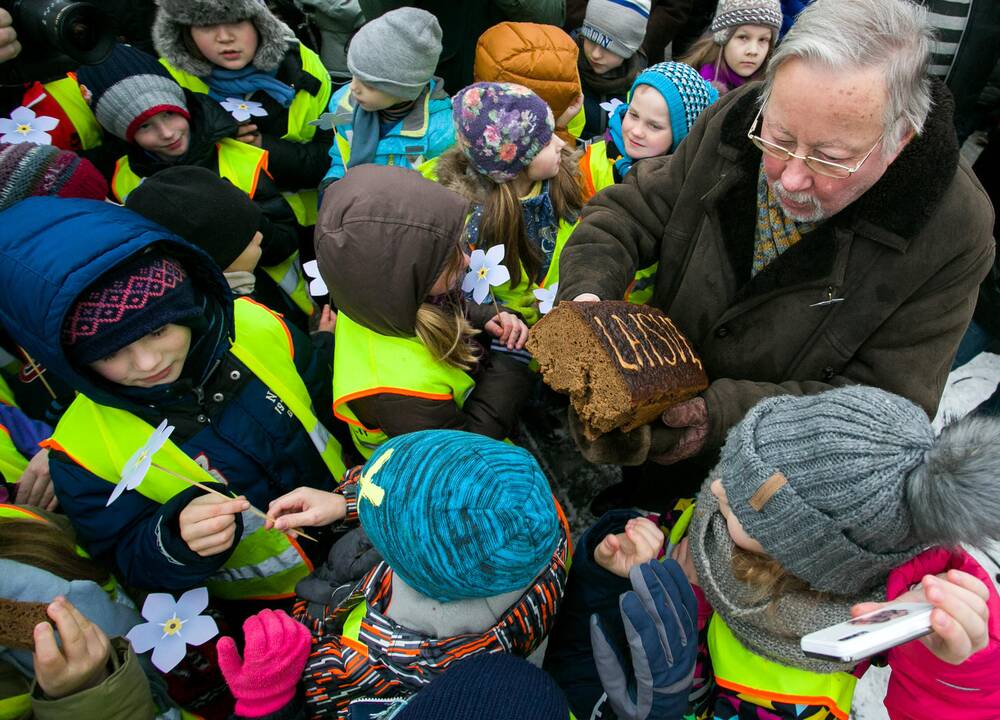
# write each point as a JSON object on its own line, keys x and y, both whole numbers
{"x": 686, "y": 93}
{"x": 458, "y": 515}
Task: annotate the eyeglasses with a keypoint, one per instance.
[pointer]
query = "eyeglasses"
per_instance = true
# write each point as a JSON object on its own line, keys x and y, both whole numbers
{"x": 823, "y": 167}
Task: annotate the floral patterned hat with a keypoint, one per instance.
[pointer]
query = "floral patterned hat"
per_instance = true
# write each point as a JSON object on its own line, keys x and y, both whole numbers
{"x": 502, "y": 127}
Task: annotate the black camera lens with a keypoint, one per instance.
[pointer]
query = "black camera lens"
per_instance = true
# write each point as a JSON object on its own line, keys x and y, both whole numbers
{"x": 79, "y": 30}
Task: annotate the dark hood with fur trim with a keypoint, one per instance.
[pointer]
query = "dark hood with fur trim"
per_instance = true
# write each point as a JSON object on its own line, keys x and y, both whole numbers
{"x": 383, "y": 237}
{"x": 172, "y": 31}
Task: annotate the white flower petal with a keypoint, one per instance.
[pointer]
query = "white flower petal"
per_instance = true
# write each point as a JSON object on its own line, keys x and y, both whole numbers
{"x": 494, "y": 256}
{"x": 192, "y": 603}
{"x": 169, "y": 652}
{"x": 311, "y": 269}
{"x": 470, "y": 280}
{"x": 258, "y": 111}
{"x": 144, "y": 636}
{"x": 158, "y": 608}
{"x": 241, "y": 115}
{"x": 199, "y": 629}
{"x": 134, "y": 479}
{"x": 545, "y": 307}
{"x": 120, "y": 487}
{"x": 22, "y": 115}
{"x": 44, "y": 123}
{"x": 497, "y": 275}
{"x": 477, "y": 259}
{"x": 38, "y": 137}
{"x": 7, "y": 125}
{"x": 317, "y": 287}
{"x": 481, "y": 290}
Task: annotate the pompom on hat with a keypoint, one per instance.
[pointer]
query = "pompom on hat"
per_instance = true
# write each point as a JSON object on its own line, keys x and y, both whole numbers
{"x": 501, "y": 127}
{"x": 730, "y": 14}
{"x": 28, "y": 170}
{"x": 458, "y": 515}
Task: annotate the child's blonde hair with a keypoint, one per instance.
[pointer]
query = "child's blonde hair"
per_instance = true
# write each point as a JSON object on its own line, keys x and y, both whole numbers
{"x": 447, "y": 334}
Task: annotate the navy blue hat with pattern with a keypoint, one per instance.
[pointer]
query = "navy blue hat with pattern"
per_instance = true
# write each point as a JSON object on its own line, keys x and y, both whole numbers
{"x": 458, "y": 515}
{"x": 686, "y": 93}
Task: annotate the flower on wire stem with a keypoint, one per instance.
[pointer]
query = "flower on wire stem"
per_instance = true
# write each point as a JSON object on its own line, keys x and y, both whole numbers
{"x": 486, "y": 270}
{"x": 135, "y": 469}
{"x": 24, "y": 126}
{"x": 172, "y": 626}
{"x": 243, "y": 110}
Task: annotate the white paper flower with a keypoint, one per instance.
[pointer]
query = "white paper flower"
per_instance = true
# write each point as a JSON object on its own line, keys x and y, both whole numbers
{"x": 172, "y": 627}
{"x": 317, "y": 286}
{"x": 486, "y": 270}
{"x": 23, "y": 126}
{"x": 243, "y": 110}
{"x": 545, "y": 297}
{"x": 611, "y": 105}
{"x": 138, "y": 465}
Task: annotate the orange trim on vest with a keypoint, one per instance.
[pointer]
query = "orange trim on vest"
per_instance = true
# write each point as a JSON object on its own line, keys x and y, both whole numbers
{"x": 826, "y": 702}
{"x": 565, "y": 523}
{"x": 377, "y": 391}
{"x": 21, "y": 510}
{"x": 585, "y": 178}
{"x": 4, "y": 428}
{"x": 280, "y": 318}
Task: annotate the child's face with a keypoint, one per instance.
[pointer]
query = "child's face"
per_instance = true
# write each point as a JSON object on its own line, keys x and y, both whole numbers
{"x": 249, "y": 258}
{"x": 747, "y": 49}
{"x": 546, "y": 163}
{"x": 646, "y": 125}
{"x": 166, "y": 135}
{"x": 154, "y": 359}
{"x": 736, "y": 531}
{"x": 229, "y": 45}
{"x": 600, "y": 60}
{"x": 371, "y": 99}
{"x": 450, "y": 278}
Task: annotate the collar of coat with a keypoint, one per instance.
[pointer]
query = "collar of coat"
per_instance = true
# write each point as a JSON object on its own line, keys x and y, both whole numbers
{"x": 892, "y": 212}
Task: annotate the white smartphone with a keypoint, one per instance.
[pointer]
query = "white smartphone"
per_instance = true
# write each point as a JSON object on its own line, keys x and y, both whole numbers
{"x": 871, "y": 633}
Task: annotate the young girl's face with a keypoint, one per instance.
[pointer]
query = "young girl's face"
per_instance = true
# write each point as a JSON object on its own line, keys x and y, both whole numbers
{"x": 371, "y": 99}
{"x": 546, "y": 163}
{"x": 600, "y": 60}
{"x": 451, "y": 276}
{"x": 736, "y": 531}
{"x": 166, "y": 135}
{"x": 229, "y": 45}
{"x": 747, "y": 49}
{"x": 249, "y": 258}
{"x": 154, "y": 359}
{"x": 646, "y": 125}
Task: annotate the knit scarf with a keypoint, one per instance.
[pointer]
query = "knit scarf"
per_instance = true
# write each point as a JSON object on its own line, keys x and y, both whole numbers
{"x": 776, "y": 232}
{"x": 367, "y": 128}
{"x": 624, "y": 163}
{"x": 770, "y": 628}
{"x": 223, "y": 83}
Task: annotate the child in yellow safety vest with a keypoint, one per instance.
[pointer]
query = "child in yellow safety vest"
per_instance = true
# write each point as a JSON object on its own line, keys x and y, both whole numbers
{"x": 244, "y": 57}
{"x": 523, "y": 185}
{"x": 143, "y": 325}
{"x": 408, "y": 354}
{"x": 822, "y": 508}
{"x": 134, "y": 98}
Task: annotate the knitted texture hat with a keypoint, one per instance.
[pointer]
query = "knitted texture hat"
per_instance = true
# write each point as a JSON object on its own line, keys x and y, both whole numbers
{"x": 201, "y": 207}
{"x": 143, "y": 294}
{"x": 396, "y": 52}
{"x": 498, "y": 686}
{"x": 686, "y": 93}
{"x": 172, "y": 31}
{"x": 616, "y": 25}
{"x": 129, "y": 88}
{"x": 502, "y": 127}
{"x": 458, "y": 515}
{"x": 730, "y": 14}
{"x": 27, "y": 169}
{"x": 843, "y": 486}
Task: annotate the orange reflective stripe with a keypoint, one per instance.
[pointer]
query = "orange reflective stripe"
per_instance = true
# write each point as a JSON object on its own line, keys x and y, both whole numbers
{"x": 828, "y": 704}
{"x": 378, "y": 391}
{"x": 588, "y": 180}
{"x": 20, "y": 510}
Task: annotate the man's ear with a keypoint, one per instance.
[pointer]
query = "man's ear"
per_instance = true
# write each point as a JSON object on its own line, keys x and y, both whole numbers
{"x": 909, "y": 135}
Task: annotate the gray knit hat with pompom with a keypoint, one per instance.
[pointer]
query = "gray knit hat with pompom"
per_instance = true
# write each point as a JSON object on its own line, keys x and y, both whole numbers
{"x": 843, "y": 486}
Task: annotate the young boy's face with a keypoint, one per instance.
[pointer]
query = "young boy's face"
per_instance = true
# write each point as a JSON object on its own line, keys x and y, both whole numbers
{"x": 600, "y": 60}
{"x": 248, "y": 259}
{"x": 154, "y": 359}
{"x": 646, "y": 125}
{"x": 166, "y": 135}
{"x": 747, "y": 49}
{"x": 371, "y": 99}
{"x": 229, "y": 45}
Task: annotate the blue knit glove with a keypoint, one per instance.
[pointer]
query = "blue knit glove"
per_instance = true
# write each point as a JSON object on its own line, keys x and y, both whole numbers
{"x": 660, "y": 614}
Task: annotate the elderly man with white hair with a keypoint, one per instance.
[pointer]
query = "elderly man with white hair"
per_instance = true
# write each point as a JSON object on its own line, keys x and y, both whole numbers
{"x": 813, "y": 231}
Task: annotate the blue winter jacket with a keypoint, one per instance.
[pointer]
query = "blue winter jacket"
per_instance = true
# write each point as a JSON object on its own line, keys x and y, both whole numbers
{"x": 51, "y": 250}
{"x": 426, "y": 132}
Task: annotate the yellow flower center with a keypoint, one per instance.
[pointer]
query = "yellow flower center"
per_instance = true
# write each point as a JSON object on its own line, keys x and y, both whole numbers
{"x": 244, "y": 106}
{"x": 24, "y": 129}
{"x": 483, "y": 272}
{"x": 173, "y": 626}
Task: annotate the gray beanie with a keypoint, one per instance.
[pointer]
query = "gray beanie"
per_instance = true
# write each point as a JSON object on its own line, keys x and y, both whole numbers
{"x": 730, "y": 14}
{"x": 396, "y": 52}
{"x": 843, "y": 486}
{"x": 172, "y": 31}
{"x": 616, "y": 25}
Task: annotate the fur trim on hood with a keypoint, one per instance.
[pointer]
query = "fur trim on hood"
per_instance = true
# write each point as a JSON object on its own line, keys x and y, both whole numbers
{"x": 172, "y": 31}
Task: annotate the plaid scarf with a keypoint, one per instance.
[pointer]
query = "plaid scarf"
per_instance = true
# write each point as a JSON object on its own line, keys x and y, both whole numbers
{"x": 776, "y": 232}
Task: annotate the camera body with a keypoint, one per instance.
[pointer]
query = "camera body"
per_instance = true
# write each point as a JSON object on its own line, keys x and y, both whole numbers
{"x": 56, "y": 37}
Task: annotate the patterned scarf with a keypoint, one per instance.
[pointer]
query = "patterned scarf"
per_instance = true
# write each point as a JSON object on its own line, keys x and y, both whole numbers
{"x": 776, "y": 232}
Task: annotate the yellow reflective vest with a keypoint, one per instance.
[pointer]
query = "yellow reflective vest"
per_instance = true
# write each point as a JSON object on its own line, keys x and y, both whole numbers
{"x": 368, "y": 363}
{"x": 304, "y": 108}
{"x": 241, "y": 164}
{"x": 66, "y": 92}
{"x": 12, "y": 462}
{"x": 266, "y": 563}
{"x": 521, "y": 298}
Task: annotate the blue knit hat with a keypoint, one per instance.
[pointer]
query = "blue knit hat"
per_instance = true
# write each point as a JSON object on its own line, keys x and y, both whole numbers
{"x": 458, "y": 515}
{"x": 686, "y": 93}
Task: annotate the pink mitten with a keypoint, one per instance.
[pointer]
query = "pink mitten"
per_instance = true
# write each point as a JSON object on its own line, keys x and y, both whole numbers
{"x": 275, "y": 653}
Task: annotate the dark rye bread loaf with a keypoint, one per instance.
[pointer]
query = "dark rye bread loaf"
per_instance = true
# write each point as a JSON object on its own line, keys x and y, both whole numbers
{"x": 17, "y": 623}
{"x": 621, "y": 364}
